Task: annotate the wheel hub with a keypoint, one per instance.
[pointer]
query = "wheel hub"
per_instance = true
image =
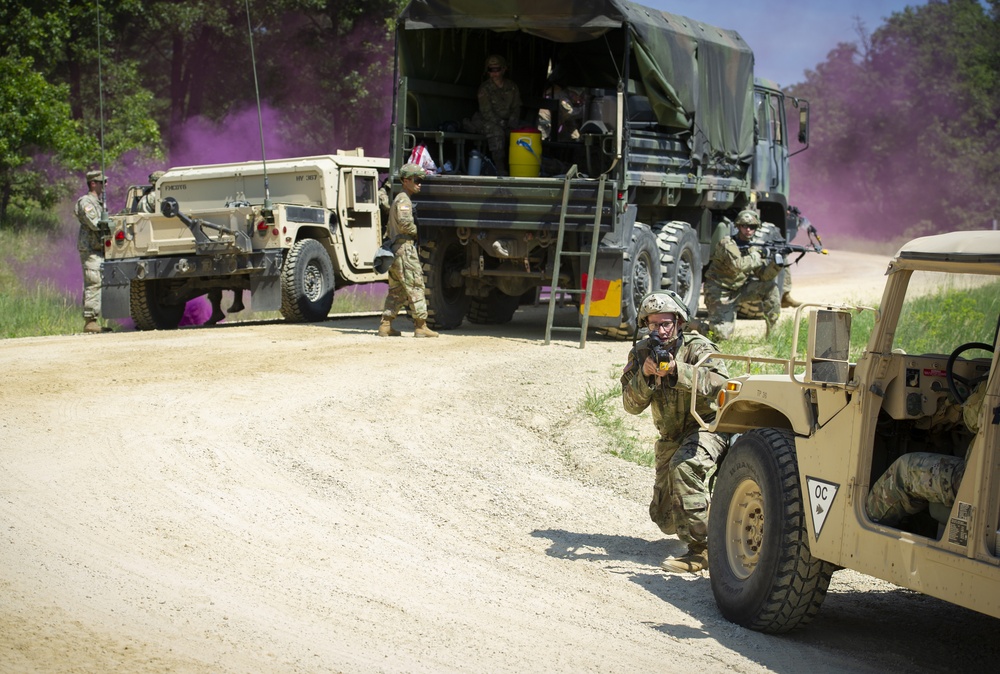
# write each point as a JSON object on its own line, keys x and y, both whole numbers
{"x": 312, "y": 282}
{"x": 745, "y": 529}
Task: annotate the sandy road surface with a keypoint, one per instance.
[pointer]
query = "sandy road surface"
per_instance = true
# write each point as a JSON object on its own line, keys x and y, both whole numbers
{"x": 281, "y": 498}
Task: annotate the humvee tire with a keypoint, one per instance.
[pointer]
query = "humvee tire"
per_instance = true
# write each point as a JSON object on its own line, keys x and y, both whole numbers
{"x": 147, "y": 308}
{"x": 680, "y": 262}
{"x": 307, "y": 283}
{"x": 762, "y": 573}
{"x": 496, "y": 308}
{"x": 640, "y": 276}
{"x": 442, "y": 260}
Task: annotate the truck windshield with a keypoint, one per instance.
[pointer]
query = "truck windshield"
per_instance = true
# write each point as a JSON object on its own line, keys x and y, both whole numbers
{"x": 942, "y": 311}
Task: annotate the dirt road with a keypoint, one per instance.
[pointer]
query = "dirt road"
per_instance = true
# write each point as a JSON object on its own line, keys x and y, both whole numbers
{"x": 281, "y": 498}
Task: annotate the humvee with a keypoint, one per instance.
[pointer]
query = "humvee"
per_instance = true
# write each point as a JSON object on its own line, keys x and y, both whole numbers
{"x": 789, "y": 506}
{"x": 290, "y": 232}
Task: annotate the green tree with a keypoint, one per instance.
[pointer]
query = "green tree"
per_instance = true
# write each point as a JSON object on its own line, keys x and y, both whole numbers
{"x": 905, "y": 126}
{"x": 34, "y": 121}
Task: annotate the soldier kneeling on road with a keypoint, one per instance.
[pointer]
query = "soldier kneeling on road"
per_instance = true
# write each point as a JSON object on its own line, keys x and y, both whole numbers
{"x": 739, "y": 271}
{"x": 659, "y": 375}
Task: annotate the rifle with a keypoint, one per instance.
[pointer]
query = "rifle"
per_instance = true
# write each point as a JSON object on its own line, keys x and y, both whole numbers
{"x": 778, "y": 250}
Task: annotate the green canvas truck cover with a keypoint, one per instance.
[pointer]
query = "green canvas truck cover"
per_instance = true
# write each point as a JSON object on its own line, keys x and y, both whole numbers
{"x": 697, "y": 77}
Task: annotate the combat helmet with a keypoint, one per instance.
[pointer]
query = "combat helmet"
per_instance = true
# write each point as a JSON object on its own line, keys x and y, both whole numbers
{"x": 748, "y": 217}
{"x": 663, "y": 302}
{"x": 495, "y": 61}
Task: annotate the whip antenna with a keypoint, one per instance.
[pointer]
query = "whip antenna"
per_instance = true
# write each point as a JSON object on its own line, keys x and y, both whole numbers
{"x": 100, "y": 98}
{"x": 260, "y": 119}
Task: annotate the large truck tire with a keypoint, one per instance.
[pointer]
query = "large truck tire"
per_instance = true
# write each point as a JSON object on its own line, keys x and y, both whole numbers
{"x": 443, "y": 259}
{"x": 307, "y": 283}
{"x": 640, "y": 276}
{"x": 148, "y": 307}
{"x": 762, "y": 573}
{"x": 494, "y": 309}
{"x": 680, "y": 262}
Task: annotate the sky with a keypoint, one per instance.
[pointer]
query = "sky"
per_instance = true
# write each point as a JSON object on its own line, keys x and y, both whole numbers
{"x": 790, "y": 36}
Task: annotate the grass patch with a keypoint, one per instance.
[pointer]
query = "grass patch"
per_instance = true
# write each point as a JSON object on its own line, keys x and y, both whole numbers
{"x": 624, "y": 441}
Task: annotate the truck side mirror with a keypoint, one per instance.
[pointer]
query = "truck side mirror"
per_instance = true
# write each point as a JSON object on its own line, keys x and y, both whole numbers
{"x": 803, "y": 107}
{"x": 829, "y": 346}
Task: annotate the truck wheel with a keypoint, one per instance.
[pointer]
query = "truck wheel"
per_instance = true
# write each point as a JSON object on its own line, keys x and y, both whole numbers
{"x": 496, "y": 308}
{"x": 443, "y": 260}
{"x": 763, "y": 575}
{"x": 307, "y": 283}
{"x": 680, "y": 262}
{"x": 640, "y": 276}
{"x": 754, "y": 309}
{"x": 148, "y": 307}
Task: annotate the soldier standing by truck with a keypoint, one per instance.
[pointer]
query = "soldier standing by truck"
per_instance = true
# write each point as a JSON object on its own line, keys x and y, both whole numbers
{"x": 406, "y": 276}
{"x": 91, "y": 247}
{"x": 659, "y": 373}
{"x": 739, "y": 271}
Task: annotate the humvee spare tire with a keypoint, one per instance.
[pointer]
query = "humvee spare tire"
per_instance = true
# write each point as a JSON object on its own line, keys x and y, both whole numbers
{"x": 762, "y": 573}
{"x": 307, "y": 283}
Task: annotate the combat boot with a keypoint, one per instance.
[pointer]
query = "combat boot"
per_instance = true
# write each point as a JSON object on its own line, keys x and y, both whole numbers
{"x": 422, "y": 330}
{"x": 385, "y": 328}
{"x": 92, "y": 326}
{"x": 789, "y": 302}
{"x": 693, "y": 561}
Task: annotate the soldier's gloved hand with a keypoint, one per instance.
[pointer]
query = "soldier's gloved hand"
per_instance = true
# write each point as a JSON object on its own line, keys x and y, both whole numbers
{"x": 763, "y": 252}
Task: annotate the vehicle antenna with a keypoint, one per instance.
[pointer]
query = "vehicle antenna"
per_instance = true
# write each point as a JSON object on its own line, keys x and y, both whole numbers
{"x": 260, "y": 119}
{"x": 100, "y": 97}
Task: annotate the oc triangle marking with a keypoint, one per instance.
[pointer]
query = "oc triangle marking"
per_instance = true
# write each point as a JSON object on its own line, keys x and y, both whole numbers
{"x": 821, "y": 495}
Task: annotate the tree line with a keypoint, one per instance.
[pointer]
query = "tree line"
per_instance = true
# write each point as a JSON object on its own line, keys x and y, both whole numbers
{"x": 904, "y": 121}
{"x": 905, "y": 132}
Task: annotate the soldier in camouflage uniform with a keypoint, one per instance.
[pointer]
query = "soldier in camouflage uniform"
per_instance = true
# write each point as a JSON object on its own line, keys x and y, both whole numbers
{"x": 90, "y": 245}
{"x": 148, "y": 202}
{"x": 686, "y": 455}
{"x": 406, "y": 276}
{"x": 499, "y": 111}
{"x": 737, "y": 272}
{"x": 915, "y": 479}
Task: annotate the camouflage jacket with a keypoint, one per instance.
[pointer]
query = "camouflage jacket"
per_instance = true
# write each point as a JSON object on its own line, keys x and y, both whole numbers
{"x": 402, "y": 223}
{"x": 88, "y": 212}
{"x": 671, "y": 400}
{"x": 731, "y": 265}
{"x": 501, "y": 105}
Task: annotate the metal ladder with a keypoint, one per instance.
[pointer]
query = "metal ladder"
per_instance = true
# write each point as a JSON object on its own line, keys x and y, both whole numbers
{"x": 554, "y": 290}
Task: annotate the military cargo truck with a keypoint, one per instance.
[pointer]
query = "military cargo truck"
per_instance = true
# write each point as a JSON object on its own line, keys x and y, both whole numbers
{"x": 290, "y": 232}
{"x": 675, "y": 135}
{"x": 790, "y": 502}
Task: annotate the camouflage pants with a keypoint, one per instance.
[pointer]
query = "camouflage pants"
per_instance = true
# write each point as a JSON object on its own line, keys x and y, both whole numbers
{"x": 680, "y": 490}
{"x": 406, "y": 284}
{"x": 721, "y": 305}
{"x": 91, "y": 263}
{"x": 910, "y": 482}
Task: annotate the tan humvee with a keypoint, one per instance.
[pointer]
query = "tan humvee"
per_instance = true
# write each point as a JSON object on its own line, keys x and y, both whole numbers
{"x": 790, "y": 500}
{"x": 290, "y": 233}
